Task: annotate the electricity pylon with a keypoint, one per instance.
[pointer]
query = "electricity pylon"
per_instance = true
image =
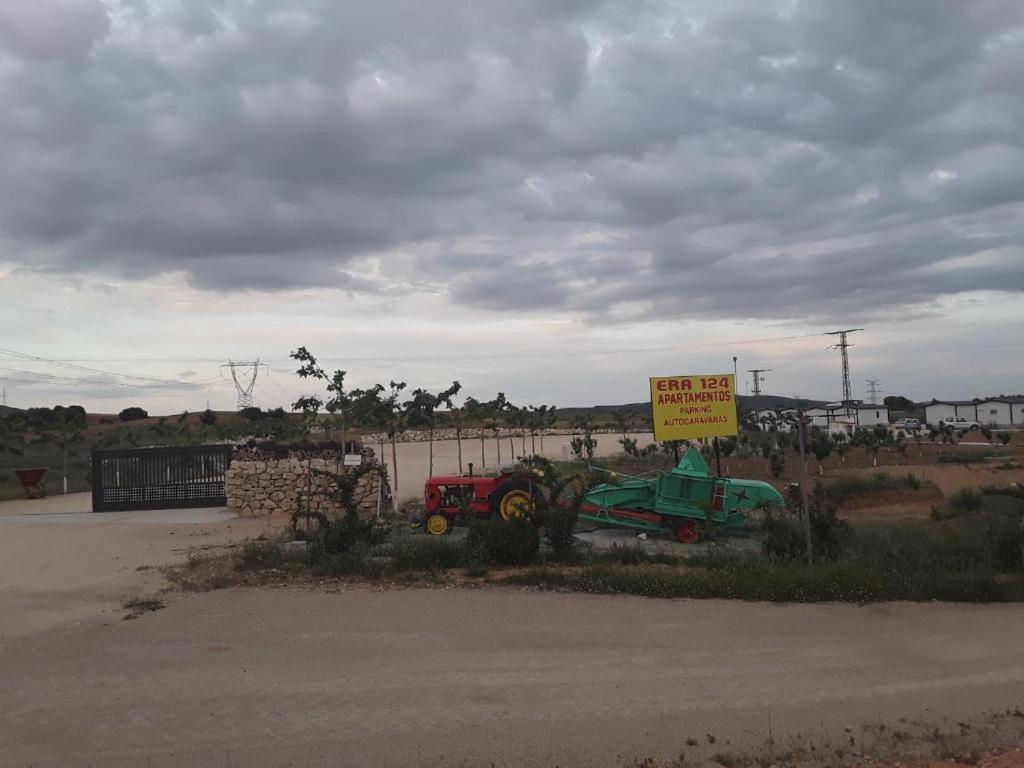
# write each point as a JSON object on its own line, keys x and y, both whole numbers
{"x": 244, "y": 375}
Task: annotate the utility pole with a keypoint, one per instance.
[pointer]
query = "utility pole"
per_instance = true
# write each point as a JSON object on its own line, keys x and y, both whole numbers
{"x": 842, "y": 346}
{"x": 736, "y": 388}
{"x": 245, "y": 382}
{"x": 804, "y": 512}
{"x": 873, "y": 391}
{"x": 758, "y": 380}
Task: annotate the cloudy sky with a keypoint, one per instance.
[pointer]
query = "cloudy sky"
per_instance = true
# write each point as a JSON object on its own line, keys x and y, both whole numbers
{"x": 554, "y": 198}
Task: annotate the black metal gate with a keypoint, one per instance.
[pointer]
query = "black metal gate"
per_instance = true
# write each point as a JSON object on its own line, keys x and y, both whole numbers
{"x": 159, "y": 478}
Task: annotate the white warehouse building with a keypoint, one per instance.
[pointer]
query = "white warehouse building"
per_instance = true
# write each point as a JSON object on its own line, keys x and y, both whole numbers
{"x": 847, "y": 416}
{"x": 992, "y": 412}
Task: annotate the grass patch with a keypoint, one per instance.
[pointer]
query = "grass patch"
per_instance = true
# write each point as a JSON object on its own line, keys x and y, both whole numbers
{"x": 965, "y": 457}
{"x": 777, "y": 582}
{"x": 422, "y": 553}
{"x": 845, "y": 487}
{"x": 258, "y": 554}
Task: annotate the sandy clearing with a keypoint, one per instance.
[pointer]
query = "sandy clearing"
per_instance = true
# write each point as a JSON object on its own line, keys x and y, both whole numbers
{"x": 430, "y": 677}
{"x": 60, "y": 564}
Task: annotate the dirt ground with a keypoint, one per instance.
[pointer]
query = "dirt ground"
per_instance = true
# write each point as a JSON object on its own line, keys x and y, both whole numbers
{"x": 431, "y": 677}
{"x": 61, "y": 565}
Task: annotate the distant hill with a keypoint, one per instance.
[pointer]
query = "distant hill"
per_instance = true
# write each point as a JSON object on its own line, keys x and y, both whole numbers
{"x": 6, "y": 410}
{"x": 745, "y": 402}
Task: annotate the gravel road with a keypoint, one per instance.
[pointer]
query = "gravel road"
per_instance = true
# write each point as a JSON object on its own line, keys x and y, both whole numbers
{"x": 445, "y": 677}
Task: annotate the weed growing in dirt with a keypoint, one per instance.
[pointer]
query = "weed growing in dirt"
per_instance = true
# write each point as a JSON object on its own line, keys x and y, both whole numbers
{"x": 136, "y": 606}
{"x": 256, "y": 554}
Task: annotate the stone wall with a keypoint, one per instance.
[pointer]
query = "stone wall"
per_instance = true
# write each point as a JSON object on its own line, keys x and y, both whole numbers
{"x": 259, "y": 485}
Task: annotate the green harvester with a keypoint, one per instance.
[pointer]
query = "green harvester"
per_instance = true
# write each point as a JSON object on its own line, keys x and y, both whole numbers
{"x": 687, "y": 500}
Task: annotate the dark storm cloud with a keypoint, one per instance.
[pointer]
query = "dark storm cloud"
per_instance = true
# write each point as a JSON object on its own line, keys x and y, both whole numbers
{"x": 821, "y": 159}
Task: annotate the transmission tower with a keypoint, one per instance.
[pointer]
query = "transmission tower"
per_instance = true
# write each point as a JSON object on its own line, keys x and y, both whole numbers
{"x": 758, "y": 379}
{"x": 244, "y": 375}
{"x": 842, "y": 346}
{"x": 873, "y": 391}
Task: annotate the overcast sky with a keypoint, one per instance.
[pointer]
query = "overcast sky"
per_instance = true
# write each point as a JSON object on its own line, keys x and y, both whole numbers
{"x": 556, "y": 199}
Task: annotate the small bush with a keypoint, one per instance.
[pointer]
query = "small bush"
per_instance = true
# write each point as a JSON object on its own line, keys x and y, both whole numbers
{"x": 964, "y": 457}
{"x": 428, "y": 554}
{"x": 357, "y": 561}
{"x": 966, "y": 500}
{"x": 258, "y": 554}
{"x": 783, "y": 539}
{"x": 497, "y": 542}
{"x": 560, "y": 526}
{"x": 132, "y": 414}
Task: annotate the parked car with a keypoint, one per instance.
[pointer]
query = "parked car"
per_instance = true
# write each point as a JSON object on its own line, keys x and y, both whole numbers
{"x": 959, "y": 423}
{"x": 906, "y": 424}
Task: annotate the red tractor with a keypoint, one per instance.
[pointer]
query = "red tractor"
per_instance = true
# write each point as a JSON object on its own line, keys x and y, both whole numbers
{"x": 447, "y": 498}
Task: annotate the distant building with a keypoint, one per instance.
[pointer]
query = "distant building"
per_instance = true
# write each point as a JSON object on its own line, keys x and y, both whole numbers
{"x": 1001, "y": 412}
{"x": 991, "y": 412}
{"x": 862, "y": 415}
{"x": 937, "y": 410}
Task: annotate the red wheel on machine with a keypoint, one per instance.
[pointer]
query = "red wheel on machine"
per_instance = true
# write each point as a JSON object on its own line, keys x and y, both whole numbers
{"x": 688, "y": 532}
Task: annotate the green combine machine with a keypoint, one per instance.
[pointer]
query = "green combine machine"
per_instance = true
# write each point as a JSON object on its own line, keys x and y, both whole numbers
{"x": 687, "y": 501}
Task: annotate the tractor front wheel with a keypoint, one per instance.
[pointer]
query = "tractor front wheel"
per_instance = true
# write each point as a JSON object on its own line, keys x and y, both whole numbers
{"x": 437, "y": 524}
{"x": 514, "y": 498}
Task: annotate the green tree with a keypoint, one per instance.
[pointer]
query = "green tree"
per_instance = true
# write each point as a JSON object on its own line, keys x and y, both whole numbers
{"x": 395, "y": 427}
{"x": 899, "y": 403}
{"x": 475, "y": 413}
{"x": 132, "y": 414}
{"x": 12, "y": 434}
{"x": 421, "y": 413}
{"x": 495, "y": 411}
{"x": 70, "y": 424}
{"x": 208, "y": 418}
{"x": 622, "y": 421}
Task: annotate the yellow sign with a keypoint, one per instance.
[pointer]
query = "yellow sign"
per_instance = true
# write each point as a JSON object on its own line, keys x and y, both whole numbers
{"x": 687, "y": 407}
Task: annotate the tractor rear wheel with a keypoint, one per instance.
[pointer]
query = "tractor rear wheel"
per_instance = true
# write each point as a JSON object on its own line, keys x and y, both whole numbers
{"x": 514, "y": 498}
{"x": 687, "y": 532}
{"x": 437, "y": 524}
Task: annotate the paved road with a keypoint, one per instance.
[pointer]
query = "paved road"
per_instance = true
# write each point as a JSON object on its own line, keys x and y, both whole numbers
{"x": 436, "y": 677}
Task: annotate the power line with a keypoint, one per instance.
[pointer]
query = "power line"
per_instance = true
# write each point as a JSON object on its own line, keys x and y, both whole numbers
{"x": 439, "y": 357}
{"x": 842, "y": 346}
{"x": 74, "y": 366}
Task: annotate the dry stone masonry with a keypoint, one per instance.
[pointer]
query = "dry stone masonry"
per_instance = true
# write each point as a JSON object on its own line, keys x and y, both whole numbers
{"x": 262, "y": 482}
